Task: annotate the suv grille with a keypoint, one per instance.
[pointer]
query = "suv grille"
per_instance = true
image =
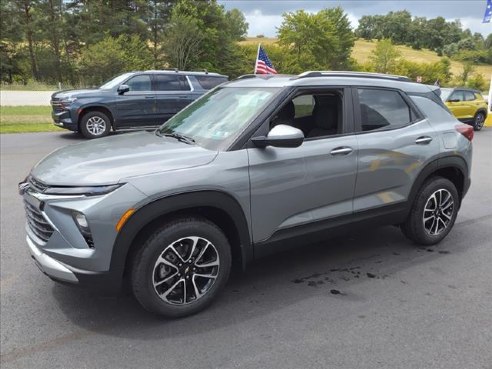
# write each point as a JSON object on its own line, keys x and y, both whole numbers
{"x": 37, "y": 223}
{"x": 57, "y": 105}
{"x": 37, "y": 185}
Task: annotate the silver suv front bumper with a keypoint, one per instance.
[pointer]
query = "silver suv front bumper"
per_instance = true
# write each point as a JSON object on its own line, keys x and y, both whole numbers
{"x": 50, "y": 266}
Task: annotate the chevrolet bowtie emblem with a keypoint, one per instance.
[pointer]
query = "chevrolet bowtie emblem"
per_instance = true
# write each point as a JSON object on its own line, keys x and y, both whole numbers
{"x": 23, "y": 186}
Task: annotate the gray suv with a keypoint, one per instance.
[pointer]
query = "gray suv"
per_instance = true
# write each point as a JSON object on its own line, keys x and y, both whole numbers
{"x": 135, "y": 100}
{"x": 254, "y": 166}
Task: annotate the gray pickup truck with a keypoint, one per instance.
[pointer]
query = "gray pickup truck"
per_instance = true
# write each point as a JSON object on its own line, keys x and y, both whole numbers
{"x": 135, "y": 100}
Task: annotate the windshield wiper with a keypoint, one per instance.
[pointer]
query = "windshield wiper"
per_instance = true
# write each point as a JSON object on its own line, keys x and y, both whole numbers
{"x": 180, "y": 137}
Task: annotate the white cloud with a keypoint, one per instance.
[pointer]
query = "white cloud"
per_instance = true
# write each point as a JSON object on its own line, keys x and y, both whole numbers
{"x": 262, "y": 24}
{"x": 267, "y": 24}
{"x": 476, "y": 26}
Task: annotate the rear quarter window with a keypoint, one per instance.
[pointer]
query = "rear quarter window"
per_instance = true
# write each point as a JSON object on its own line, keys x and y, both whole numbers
{"x": 431, "y": 109}
{"x": 209, "y": 82}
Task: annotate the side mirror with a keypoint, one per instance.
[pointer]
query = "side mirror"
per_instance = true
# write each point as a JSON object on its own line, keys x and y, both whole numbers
{"x": 122, "y": 89}
{"x": 281, "y": 136}
{"x": 454, "y": 100}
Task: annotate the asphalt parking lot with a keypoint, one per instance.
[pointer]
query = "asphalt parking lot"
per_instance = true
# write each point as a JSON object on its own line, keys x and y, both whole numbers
{"x": 368, "y": 300}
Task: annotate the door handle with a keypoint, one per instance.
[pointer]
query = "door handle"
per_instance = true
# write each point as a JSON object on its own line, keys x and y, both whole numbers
{"x": 423, "y": 140}
{"x": 341, "y": 150}
{"x": 150, "y": 97}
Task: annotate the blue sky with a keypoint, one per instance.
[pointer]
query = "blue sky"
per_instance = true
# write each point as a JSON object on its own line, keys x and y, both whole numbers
{"x": 264, "y": 16}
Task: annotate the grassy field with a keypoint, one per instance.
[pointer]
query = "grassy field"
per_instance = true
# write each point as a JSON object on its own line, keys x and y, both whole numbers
{"x": 362, "y": 51}
{"x": 16, "y": 119}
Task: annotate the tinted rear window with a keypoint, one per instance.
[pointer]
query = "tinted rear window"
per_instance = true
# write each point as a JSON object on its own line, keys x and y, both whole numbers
{"x": 171, "y": 82}
{"x": 383, "y": 109}
{"x": 209, "y": 82}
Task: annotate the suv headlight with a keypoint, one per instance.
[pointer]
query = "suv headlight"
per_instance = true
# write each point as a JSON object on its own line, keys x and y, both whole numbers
{"x": 83, "y": 190}
{"x": 68, "y": 100}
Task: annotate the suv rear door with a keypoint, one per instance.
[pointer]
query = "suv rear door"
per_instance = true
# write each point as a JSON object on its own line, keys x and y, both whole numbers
{"x": 173, "y": 92}
{"x": 295, "y": 188}
{"x": 395, "y": 142}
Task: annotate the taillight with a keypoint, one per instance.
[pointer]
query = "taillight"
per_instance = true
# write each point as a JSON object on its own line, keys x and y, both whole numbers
{"x": 465, "y": 130}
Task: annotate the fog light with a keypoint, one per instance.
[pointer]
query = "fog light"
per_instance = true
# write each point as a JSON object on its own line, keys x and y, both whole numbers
{"x": 81, "y": 220}
{"x": 83, "y": 226}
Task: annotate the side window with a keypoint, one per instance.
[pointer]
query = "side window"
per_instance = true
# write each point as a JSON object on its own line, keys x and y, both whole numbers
{"x": 139, "y": 83}
{"x": 209, "y": 82}
{"x": 469, "y": 96}
{"x": 457, "y": 95}
{"x": 316, "y": 115}
{"x": 171, "y": 82}
{"x": 383, "y": 109}
{"x": 303, "y": 105}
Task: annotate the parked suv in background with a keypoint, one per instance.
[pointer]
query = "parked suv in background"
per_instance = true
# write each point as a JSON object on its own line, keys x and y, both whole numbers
{"x": 254, "y": 166}
{"x": 467, "y": 105}
{"x": 135, "y": 100}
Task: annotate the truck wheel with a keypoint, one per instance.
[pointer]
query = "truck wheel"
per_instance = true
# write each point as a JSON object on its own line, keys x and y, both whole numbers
{"x": 478, "y": 121}
{"x": 181, "y": 267}
{"x": 95, "y": 124}
{"x": 433, "y": 212}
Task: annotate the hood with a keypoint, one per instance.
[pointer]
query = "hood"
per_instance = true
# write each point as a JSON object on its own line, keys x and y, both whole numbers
{"x": 112, "y": 159}
{"x": 66, "y": 94}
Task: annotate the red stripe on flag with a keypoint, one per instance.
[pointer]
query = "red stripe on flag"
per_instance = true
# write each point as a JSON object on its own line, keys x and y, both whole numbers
{"x": 262, "y": 68}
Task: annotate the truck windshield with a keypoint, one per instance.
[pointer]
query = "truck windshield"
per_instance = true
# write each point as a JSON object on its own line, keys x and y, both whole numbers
{"x": 216, "y": 119}
{"x": 116, "y": 81}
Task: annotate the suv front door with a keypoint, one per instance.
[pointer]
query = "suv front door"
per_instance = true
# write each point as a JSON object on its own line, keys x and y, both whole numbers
{"x": 292, "y": 187}
{"x": 136, "y": 107}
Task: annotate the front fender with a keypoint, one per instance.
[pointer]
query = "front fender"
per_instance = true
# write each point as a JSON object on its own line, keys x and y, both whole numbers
{"x": 167, "y": 205}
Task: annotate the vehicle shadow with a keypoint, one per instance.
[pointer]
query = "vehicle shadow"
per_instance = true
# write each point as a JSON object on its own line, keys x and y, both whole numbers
{"x": 330, "y": 269}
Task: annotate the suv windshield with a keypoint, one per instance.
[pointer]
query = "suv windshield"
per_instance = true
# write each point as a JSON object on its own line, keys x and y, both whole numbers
{"x": 115, "y": 82}
{"x": 215, "y": 120}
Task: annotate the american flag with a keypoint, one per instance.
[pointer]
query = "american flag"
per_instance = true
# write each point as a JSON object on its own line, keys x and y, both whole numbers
{"x": 488, "y": 12}
{"x": 263, "y": 63}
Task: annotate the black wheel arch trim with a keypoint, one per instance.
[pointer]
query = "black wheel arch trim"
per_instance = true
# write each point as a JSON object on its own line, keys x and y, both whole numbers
{"x": 450, "y": 161}
{"x": 179, "y": 202}
{"x": 81, "y": 110}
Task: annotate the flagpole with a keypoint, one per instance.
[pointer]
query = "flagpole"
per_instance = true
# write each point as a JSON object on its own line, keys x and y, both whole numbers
{"x": 257, "y": 56}
{"x": 490, "y": 95}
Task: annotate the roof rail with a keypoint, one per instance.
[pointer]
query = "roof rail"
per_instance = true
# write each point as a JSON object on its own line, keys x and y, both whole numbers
{"x": 311, "y": 74}
{"x": 246, "y": 76}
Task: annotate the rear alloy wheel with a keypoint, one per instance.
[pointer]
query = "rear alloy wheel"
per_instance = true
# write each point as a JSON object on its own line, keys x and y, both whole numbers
{"x": 433, "y": 213}
{"x": 95, "y": 124}
{"x": 479, "y": 121}
{"x": 181, "y": 268}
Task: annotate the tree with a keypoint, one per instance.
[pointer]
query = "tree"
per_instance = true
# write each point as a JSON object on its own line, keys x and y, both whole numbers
{"x": 468, "y": 68}
{"x": 112, "y": 56}
{"x": 183, "y": 41}
{"x": 323, "y": 40}
{"x": 159, "y": 12}
{"x": 385, "y": 56}
{"x": 237, "y": 25}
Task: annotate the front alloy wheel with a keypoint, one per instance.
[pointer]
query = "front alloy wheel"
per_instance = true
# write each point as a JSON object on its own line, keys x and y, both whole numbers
{"x": 186, "y": 270}
{"x": 95, "y": 124}
{"x": 181, "y": 267}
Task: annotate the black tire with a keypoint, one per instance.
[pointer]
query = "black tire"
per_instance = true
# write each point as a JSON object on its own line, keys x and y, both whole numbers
{"x": 415, "y": 228}
{"x": 145, "y": 268}
{"x": 95, "y": 124}
{"x": 479, "y": 121}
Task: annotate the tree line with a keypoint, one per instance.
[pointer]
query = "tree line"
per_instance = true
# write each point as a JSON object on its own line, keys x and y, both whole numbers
{"x": 444, "y": 37}
{"x": 85, "y": 42}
